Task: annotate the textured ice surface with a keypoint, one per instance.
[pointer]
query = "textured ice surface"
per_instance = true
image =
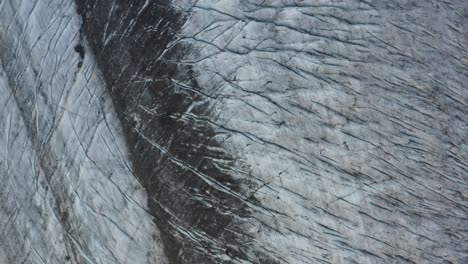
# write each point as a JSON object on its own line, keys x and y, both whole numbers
{"x": 68, "y": 194}
{"x": 234, "y": 131}
{"x": 352, "y": 117}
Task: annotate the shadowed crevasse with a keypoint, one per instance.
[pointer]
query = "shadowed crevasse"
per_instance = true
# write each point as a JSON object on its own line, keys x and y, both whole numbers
{"x": 177, "y": 161}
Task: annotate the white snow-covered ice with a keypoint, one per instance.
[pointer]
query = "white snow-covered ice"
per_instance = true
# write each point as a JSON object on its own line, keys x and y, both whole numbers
{"x": 68, "y": 194}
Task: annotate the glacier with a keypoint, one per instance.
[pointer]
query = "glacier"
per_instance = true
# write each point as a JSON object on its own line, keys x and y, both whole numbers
{"x": 234, "y": 131}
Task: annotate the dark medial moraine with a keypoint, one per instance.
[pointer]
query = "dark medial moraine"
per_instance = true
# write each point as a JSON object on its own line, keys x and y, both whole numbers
{"x": 131, "y": 44}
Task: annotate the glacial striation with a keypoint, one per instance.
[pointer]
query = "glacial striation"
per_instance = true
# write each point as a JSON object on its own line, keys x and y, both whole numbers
{"x": 234, "y": 131}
